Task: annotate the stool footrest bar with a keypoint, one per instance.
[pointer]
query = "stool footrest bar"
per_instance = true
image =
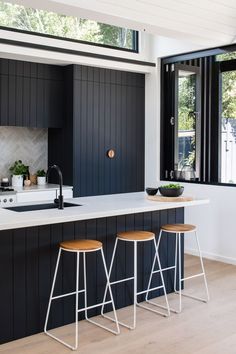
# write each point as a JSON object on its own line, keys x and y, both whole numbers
{"x": 68, "y": 294}
{"x": 164, "y": 269}
{"x": 151, "y": 289}
{"x": 193, "y": 276}
{"x": 121, "y": 280}
{"x": 96, "y": 305}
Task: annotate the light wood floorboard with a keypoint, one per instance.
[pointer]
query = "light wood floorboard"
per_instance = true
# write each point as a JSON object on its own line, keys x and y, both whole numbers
{"x": 199, "y": 329}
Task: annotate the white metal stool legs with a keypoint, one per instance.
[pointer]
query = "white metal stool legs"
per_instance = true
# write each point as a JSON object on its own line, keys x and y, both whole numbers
{"x": 135, "y": 292}
{"x": 178, "y": 259}
{"x": 202, "y": 274}
{"x": 156, "y": 259}
{"x": 76, "y": 293}
{"x": 104, "y": 302}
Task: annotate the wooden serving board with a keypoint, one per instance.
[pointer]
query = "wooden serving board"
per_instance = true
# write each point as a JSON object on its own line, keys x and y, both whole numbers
{"x": 160, "y": 198}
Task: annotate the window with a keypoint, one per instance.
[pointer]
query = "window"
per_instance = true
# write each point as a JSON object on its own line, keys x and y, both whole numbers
{"x": 43, "y": 22}
{"x": 187, "y": 121}
{"x": 227, "y": 117}
{"x": 199, "y": 117}
{"x": 226, "y": 56}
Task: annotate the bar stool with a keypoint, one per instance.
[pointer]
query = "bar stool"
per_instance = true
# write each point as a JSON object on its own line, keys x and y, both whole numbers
{"x": 84, "y": 247}
{"x": 178, "y": 230}
{"x": 137, "y": 237}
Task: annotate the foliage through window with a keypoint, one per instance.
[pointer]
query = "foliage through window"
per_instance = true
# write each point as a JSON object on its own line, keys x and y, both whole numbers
{"x": 187, "y": 134}
{"x": 227, "y": 112}
{"x": 44, "y": 22}
{"x": 226, "y": 56}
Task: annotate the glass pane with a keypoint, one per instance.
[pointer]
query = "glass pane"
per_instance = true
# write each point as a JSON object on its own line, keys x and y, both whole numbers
{"x": 50, "y": 23}
{"x": 226, "y": 56}
{"x": 228, "y": 127}
{"x": 186, "y": 133}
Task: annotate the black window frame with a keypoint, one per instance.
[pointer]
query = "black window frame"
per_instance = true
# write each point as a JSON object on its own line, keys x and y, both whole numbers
{"x": 196, "y": 70}
{"x": 210, "y": 123}
{"x": 50, "y": 36}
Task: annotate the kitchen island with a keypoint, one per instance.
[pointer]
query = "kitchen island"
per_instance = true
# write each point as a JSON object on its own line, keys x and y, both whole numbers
{"x": 29, "y": 244}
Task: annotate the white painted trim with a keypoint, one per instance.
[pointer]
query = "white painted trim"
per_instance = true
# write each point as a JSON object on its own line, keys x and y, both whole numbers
{"x": 212, "y": 256}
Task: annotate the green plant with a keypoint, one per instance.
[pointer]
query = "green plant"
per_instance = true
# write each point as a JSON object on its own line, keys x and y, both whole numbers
{"x": 18, "y": 168}
{"x": 172, "y": 186}
{"x": 41, "y": 173}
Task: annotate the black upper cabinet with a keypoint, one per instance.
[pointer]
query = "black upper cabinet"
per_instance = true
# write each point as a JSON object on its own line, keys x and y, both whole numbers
{"x": 31, "y": 94}
{"x": 104, "y": 110}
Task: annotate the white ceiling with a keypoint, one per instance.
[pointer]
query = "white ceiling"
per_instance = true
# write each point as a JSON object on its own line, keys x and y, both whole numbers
{"x": 206, "y": 22}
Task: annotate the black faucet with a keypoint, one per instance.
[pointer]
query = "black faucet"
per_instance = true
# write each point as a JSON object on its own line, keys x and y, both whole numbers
{"x": 59, "y": 200}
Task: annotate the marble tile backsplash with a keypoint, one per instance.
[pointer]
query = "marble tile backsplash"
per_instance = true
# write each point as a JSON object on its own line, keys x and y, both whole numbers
{"x": 27, "y": 144}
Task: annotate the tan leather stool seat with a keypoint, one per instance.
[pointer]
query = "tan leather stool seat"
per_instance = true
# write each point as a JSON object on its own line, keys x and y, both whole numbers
{"x": 136, "y": 235}
{"x": 175, "y": 228}
{"x": 81, "y": 245}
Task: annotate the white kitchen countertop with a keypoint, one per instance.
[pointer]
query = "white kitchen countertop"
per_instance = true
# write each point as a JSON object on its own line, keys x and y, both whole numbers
{"x": 37, "y": 188}
{"x": 92, "y": 208}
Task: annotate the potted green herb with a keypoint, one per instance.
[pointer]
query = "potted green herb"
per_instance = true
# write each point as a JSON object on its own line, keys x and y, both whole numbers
{"x": 41, "y": 177}
{"x": 18, "y": 171}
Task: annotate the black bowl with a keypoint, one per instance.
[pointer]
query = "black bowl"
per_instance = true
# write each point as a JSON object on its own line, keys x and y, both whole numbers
{"x": 171, "y": 192}
{"x": 151, "y": 191}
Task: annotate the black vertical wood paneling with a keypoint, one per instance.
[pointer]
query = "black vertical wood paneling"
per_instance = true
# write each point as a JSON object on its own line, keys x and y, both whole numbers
{"x": 68, "y": 281}
{"x": 19, "y": 101}
{"x": 57, "y": 313}
{"x": 129, "y": 257}
{"x": 19, "y": 284}
{"x": 108, "y": 113}
{"x": 22, "y": 94}
{"x": 119, "y": 264}
{"x": 138, "y": 225}
{"x": 156, "y": 223}
{"x": 28, "y": 259}
{"x": 163, "y": 248}
{"x": 32, "y": 280}
{"x": 44, "y": 272}
{"x": 4, "y": 99}
{"x": 92, "y": 259}
{"x": 100, "y": 273}
{"x": 81, "y": 232}
{"x": 12, "y": 100}
{"x": 7, "y": 288}
{"x": 26, "y": 101}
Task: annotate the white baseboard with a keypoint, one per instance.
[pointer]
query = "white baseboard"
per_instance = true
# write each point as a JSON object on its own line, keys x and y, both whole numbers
{"x": 212, "y": 256}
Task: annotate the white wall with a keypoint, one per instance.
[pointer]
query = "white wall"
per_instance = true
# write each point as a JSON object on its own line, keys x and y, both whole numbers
{"x": 216, "y": 222}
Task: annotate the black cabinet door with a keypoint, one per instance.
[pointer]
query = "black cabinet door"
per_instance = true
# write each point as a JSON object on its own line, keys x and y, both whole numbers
{"x": 31, "y": 95}
{"x": 108, "y": 115}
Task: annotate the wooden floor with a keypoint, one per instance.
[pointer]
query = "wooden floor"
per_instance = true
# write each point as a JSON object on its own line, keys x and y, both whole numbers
{"x": 199, "y": 329}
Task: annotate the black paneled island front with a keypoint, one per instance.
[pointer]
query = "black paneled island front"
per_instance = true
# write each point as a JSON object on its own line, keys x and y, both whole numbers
{"x": 28, "y": 250}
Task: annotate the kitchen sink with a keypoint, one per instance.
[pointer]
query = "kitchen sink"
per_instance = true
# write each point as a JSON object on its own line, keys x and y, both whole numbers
{"x": 44, "y": 206}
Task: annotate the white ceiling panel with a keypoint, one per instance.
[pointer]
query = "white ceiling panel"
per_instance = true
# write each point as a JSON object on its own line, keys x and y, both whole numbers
{"x": 207, "y": 22}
